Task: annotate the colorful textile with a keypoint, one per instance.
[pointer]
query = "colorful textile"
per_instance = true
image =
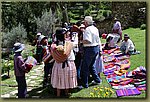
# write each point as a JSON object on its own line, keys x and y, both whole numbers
{"x": 127, "y": 92}
{"x": 122, "y": 57}
{"x": 129, "y": 86}
{"x": 61, "y": 53}
{"x": 109, "y": 59}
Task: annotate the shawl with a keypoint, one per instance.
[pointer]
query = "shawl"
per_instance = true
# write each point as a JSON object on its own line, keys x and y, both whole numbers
{"x": 60, "y": 53}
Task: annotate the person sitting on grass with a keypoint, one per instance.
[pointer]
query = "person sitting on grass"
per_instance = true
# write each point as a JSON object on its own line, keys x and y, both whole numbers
{"x": 127, "y": 46}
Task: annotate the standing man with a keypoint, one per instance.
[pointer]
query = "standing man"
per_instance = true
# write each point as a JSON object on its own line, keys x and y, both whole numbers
{"x": 117, "y": 28}
{"x": 91, "y": 42}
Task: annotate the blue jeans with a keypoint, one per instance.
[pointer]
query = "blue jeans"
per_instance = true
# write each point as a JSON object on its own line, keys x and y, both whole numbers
{"x": 22, "y": 86}
{"x": 88, "y": 66}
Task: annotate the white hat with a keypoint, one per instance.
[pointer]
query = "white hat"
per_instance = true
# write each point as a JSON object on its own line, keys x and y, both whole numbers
{"x": 18, "y": 47}
{"x": 38, "y": 34}
{"x": 88, "y": 19}
{"x": 41, "y": 37}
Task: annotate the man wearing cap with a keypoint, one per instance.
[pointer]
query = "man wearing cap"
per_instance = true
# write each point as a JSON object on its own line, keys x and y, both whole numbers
{"x": 20, "y": 68}
{"x": 127, "y": 46}
{"x": 91, "y": 43}
{"x": 117, "y": 28}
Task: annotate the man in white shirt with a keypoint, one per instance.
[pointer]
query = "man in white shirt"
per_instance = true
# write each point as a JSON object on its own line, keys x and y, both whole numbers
{"x": 91, "y": 43}
{"x": 127, "y": 46}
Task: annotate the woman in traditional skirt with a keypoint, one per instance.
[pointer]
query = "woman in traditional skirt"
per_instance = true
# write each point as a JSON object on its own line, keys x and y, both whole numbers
{"x": 64, "y": 74}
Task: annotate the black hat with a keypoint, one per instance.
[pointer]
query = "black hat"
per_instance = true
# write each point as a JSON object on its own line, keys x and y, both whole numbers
{"x": 126, "y": 36}
{"x": 60, "y": 31}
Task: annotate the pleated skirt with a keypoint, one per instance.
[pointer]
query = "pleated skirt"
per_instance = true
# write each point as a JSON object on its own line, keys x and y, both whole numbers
{"x": 64, "y": 78}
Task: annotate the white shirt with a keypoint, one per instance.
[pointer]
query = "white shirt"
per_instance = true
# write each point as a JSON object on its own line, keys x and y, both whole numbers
{"x": 129, "y": 45}
{"x": 117, "y": 25}
{"x": 91, "y": 34}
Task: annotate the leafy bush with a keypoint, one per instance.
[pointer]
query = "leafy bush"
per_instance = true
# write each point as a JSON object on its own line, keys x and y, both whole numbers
{"x": 143, "y": 26}
{"x": 29, "y": 51}
{"x": 46, "y": 22}
{"x": 16, "y": 34}
{"x": 7, "y": 65}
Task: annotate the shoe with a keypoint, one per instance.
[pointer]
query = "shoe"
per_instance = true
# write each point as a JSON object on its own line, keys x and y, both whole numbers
{"x": 95, "y": 83}
{"x": 80, "y": 87}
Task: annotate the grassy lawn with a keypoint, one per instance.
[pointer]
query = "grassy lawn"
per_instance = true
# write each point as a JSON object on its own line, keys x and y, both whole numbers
{"x": 137, "y": 36}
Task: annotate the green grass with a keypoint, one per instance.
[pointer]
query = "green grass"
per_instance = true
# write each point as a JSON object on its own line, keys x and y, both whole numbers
{"x": 139, "y": 39}
{"x": 137, "y": 36}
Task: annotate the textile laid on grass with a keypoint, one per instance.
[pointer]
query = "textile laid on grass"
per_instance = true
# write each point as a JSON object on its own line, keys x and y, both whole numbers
{"x": 126, "y": 83}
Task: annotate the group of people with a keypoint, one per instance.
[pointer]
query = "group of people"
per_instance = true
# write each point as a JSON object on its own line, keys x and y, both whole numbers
{"x": 69, "y": 59}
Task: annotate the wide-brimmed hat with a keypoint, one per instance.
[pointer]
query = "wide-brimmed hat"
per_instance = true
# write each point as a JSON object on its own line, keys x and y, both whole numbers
{"x": 126, "y": 36}
{"x": 18, "y": 47}
{"x": 42, "y": 37}
{"x": 38, "y": 34}
{"x": 88, "y": 19}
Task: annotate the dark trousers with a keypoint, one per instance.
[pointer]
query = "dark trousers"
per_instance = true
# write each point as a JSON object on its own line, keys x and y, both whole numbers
{"x": 47, "y": 71}
{"x": 22, "y": 86}
{"x": 78, "y": 63}
{"x": 88, "y": 66}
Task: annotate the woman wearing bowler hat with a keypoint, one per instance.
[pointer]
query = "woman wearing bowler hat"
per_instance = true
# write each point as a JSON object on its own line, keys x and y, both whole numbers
{"x": 20, "y": 68}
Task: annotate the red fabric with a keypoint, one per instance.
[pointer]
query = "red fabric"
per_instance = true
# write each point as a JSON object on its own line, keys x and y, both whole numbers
{"x": 104, "y": 36}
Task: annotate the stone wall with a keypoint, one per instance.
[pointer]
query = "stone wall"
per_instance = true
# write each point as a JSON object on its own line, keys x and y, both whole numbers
{"x": 130, "y": 14}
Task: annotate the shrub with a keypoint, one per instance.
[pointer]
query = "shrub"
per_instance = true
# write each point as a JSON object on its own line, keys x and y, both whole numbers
{"x": 143, "y": 26}
{"x": 46, "y": 22}
{"x": 16, "y": 34}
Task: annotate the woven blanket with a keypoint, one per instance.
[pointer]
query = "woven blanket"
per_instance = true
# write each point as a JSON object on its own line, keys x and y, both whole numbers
{"x": 127, "y": 92}
{"x": 109, "y": 59}
{"x": 122, "y": 57}
{"x": 129, "y": 86}
{"x": 61, "y": 53}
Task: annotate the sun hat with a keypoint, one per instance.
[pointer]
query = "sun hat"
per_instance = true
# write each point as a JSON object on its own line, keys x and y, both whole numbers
{"x": 18, "y": 47}
{"x": 38, "y": 34}
{"x": 41, "y": 37}
{"x": 88, "y": 19}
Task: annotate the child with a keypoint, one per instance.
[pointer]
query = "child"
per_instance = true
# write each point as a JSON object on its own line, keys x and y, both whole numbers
{"x": 47, "y": 59}
{"x": 64, "y": 74}
{"x": 20, "y": 68}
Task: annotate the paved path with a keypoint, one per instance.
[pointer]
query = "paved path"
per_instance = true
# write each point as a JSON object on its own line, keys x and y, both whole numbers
{"x": 33, "y": 79}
